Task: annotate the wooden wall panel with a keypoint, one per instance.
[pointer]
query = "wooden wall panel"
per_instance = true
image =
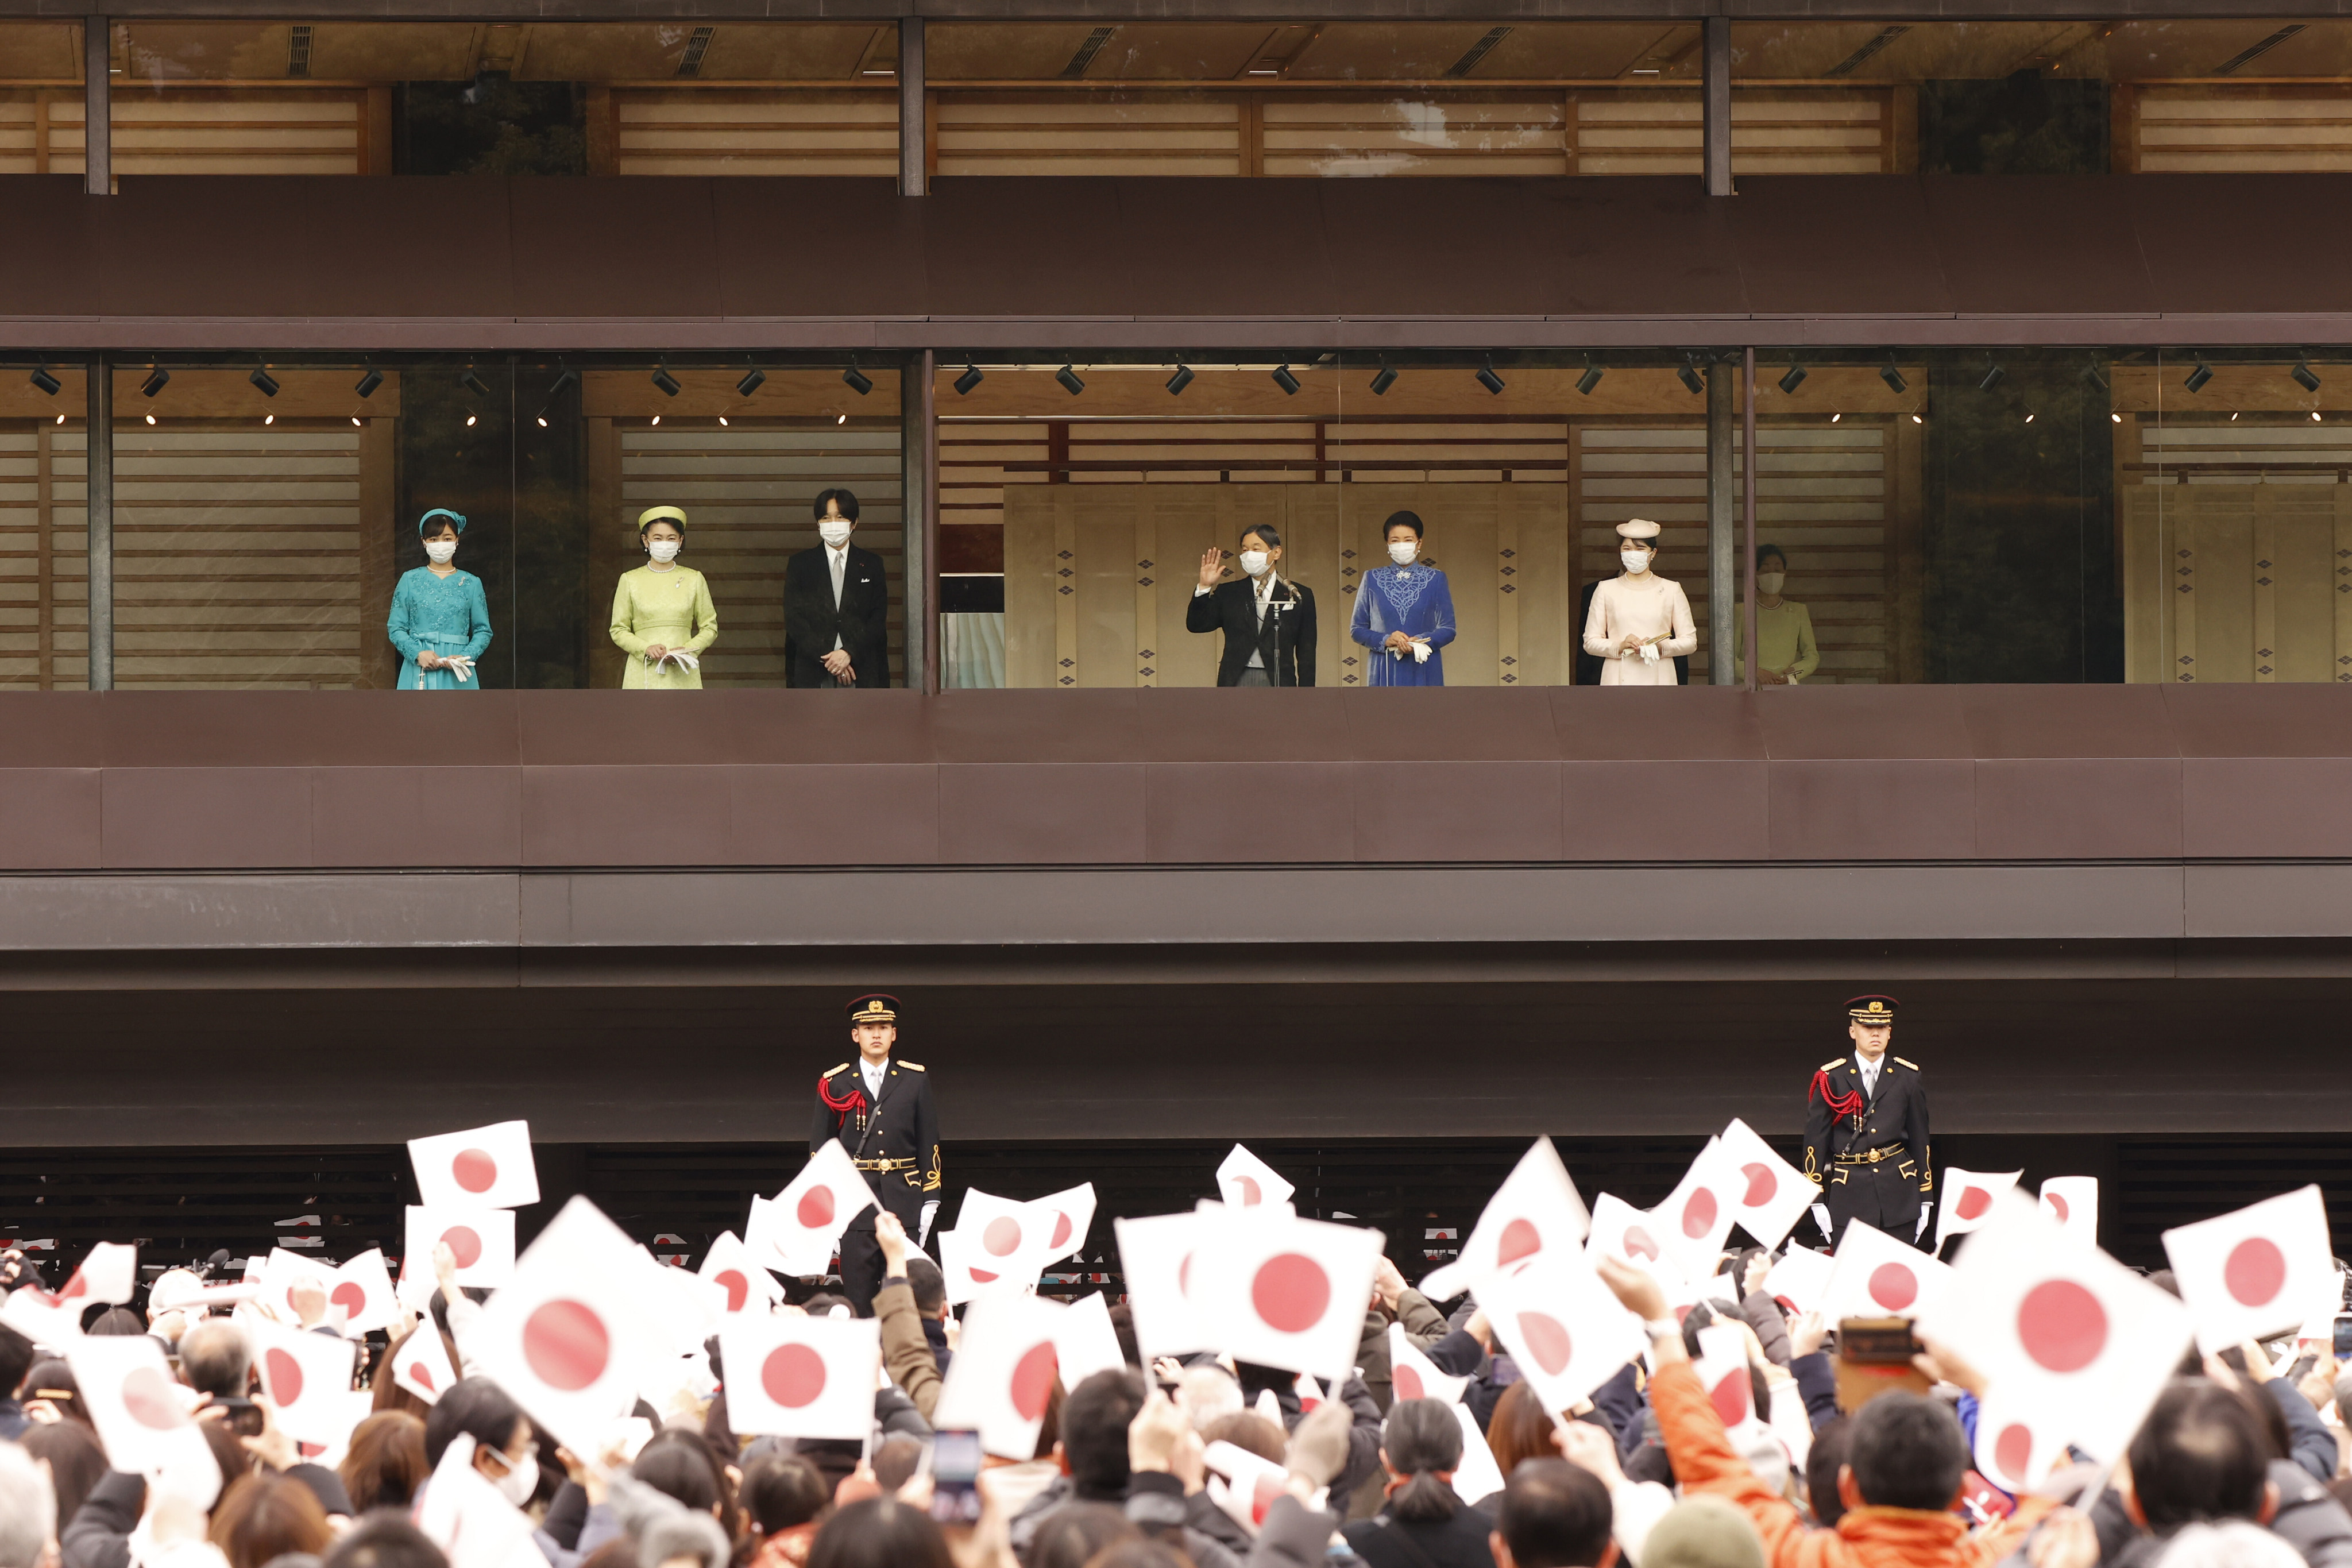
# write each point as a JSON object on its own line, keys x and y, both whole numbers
{"x": 2239, "y": 128}
{"x": 686, "y": 130}
{"x": 44, "y": 557}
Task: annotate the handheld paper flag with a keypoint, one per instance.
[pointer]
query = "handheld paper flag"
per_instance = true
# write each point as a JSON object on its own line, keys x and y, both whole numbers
{"x": 1284, "y": 1291}
{"x": 308, "y": 1377}
{"x": 1875, "y": 1276}
{"x": 2255, "y": 1271}
{"x": 1566, "y": 1330}
{"x": 482, "y": 1241}
{"x": 1085, "y": 1342}
{"x": 1245, "y": 1181}
{"x": 1773, "y": 1194}
{"x": 1002, "y": 1375}
{"x": 463, "y": 1514}
{"x": 422, "y": 1364}
{"x": 1801, "y": 1278}
{"x": 1968, "y": 1200}
{"x": 801, "y": 1376}
{"x": 2073, "y": 1203}
{"x": 1246, "y": 1485}
{"x": 1069, "y": 1214}
{"x": 484, "y": 1168}
{"x": 803, "y": 1222}
{"x": 1413, "y": 1375}
{"x": 1479, "y": 1476}
{"x": 110, "y": 1273}
{"x": 42, "y": 1318}
{"x": 283, "y": 1272}
{"x": 1626, "y": 1234}
{"x": 729, "y": 1266}
{"x": 2009, "y": 1451}
{"x": 1005, "y": 1243}
{"x": 567, "y": 1336}
{"x": 143, "y": 1417}
{"x": 362, "y": 1291}
{"x": 1536, "y": 1207}
{"x": 1693, "y": 1222}
{"x": 1722, "y": 1368}
{"x": 1156, "y": 1256}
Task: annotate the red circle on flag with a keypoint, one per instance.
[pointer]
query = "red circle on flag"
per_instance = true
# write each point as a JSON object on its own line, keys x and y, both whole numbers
{"x": 1251, "y": 1196}
{"x": 1262, "y": 1496}
{"x": 2255, "y": 1271}
{"x": 147, "y": 1394}
{"x": 285, "y": 1375}
{"x": 421, "y": 1374}
{"x": 475, "y": 1170}
{"x": 75, "y": 1288}
{"x": 793, "y": 1375}
{"x": 2057, "y": 1206}
{"x": 1548, "y": 1341}
{"x": 1033, "y": 1380}
{"x": 1973, "y": 1203}
{"x": 350, "y": 1296}
{"x": 1730, "y": 1397}
{"x": 1184, "y": 1275}
{"x": 1290, "y": 1292}
{"x": 1002, "y": 1235}
{"x": 2061, "y": 1325}
{"x": 1408, "y": 1384}
{"x": 815, "y": 1210}
{"x": 1061, "y": 1229}
{"x": 1894, "y": 1285}
{"x": 2014, "y": 1451}
{"x": 1520, "y": 1239}
{"x": 982, "y": 1276}
{"x": 463, "y": 1244}
{"x": 1698, "y": 1212}
{"x": 1761, "y": 1183}
{"x": 566, "y": 1345}
{"x": 738, "y": 1288}
{"x": 1639, "y": 1244}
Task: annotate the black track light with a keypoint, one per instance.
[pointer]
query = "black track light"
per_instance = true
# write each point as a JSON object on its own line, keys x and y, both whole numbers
{"x": 263, "y": 382}
{"x": 1180, "y": 380}
{"x": 1792, "y": 378}
{"x": 2092, "y": 374}
{"x": 1285, "y": 380}
{"x": 566, "y": 378}
{"x": 857, "y": 380}
{"x": 49, "y": 384}
{"x": 1488, "y": 379}
{"x": 1590, "y": 379}
{"x": 2304, "y": 377}
{"x": 1892, "y": 376}
{"x": 1689, "y": 376}
{"x": 666, "y": 382}
{"x": 969, "y": 379}
{"x": 369, "y": 379}
{"x": 473, "y": 383}
{"x": 1384, "y": 380}
{"x": 2198, "y": 377}
{"x": 158, "y": 378}
{"x": 1991, "y": 378}
{"x": 1069, "y": 380}
{"x": 753, "y": 379}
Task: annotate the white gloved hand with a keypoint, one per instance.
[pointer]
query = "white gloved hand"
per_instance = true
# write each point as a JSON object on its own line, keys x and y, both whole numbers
{"x": 1921, "y": 1228}
{"x": 1421, "y": 651}
{"x": 930, "y": 1213}
{"x": 1649, "y": 653}
{"x": 1822, "y": 1219}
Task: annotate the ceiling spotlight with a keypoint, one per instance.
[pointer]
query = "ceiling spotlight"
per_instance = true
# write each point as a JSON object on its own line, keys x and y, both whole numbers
{"x": 2118, "y": 418}
{"x": 656, "y": 419}
{"x": 542, "y": 421}
{"x": 1285, "y": 380}
{"x": 841, "y": 419}
{"x": 269, "y": 419}
{"x": 2304, "y": 377}
{"x": 470, "y": 418}
{"x": 566, "y": 378}
{"x": 369, "y": 380}
{"x": 1180, "y": 380}
{"x": 158, "y": 378}
{"x": 969, "y": 379}
{"x": 1385, "y": 379}
{"x": 2198, "y": 377}
{"x": 722, "y": 421}
{"x": 49, "y": 384}
{"x": 1069, "y": 380}
{"x": 2234, "y": 417}
{"x": 358, "y": 423}
{"x": 1688, "y": 375}
{"x": 473, "y": 383}
{"x": 1488, "y": 379}
{"x": 1794, "y": 378}
{"x": 2028, "y": 417}
{"x": 2314, "y": 417}
{"x": 263, "y": 382}
{"x": 1992, "y": 375}
{"x": 753, "y": 379}
{"x": 1892, "y": 376}
{"x": 1835, "y": 417}
{"x": 1917, "y": 419}
{"x": 666, "y": 382}
{"x": 857, "y": 380}
{"x": 61, "y": 418}
{"x": 151, "y": 420}
{"x": 1590, "y": 379}
{"x": 2091, "y": 373}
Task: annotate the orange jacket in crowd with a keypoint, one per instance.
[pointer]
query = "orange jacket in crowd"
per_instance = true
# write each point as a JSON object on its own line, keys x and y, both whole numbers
{"x": 1704, "y": 1461}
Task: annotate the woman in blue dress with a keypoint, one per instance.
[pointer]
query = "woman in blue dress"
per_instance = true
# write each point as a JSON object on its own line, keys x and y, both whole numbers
{"x": 440, "y": 620}
{"x": 1405, "y": 613}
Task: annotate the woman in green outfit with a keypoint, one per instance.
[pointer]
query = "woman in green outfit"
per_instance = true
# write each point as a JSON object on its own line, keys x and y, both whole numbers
{"x": 1785, "y": 650}
{"x": 662, "y": 615}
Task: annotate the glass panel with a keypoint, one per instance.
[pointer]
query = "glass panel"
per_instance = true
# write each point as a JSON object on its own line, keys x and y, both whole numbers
{"x": 41, "y": 97}
{"x": 44, "y": 530}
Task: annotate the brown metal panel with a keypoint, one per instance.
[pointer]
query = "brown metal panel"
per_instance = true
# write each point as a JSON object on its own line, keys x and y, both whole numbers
{"x": 782, "y": 254}
{"x": 651, "y": 816}
{"x": 1042, "y": 814}
{"x": 362, "y": 817}
{"x": 2067, "y": 721}
{"x": 1910, "y": 810}
{"x": 1864, "y": 721}
{"x": 53, "y": 729}
{"x": 283, "y": 729}
{"x": 1016, "y": 726}
{"x": 2231, "y": 720}
{"x": 2213, "y": 242}
{"x": 54, "y": 273}
{"x": 834, "y": 813}
{"x": 2069, "y": 809}
{"x": 1457, "y": 811}
{"x": 1212, "y": 724}
{"x": 1633, "y": 724}
{"x": 2265, "y": 807}
{"x": 1249, "y": 811}
{"x": 1686, "y": 810}
{"x": 388, "y": 249}
{"x": 618, "y": 246}
{"x": 568, "y": 728}
{"x": 53, "y": 819}
{"x": 1465, "y": 724}
{"x": 1783, "y": 225}
{"x": 2010, "y": 245}
{"x": 224, "y": 817}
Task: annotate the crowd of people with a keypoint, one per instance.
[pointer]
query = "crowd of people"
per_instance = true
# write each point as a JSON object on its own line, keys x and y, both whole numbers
{"x": 2240, "y": 1463}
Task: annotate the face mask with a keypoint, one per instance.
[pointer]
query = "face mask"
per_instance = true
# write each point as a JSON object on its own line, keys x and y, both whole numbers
{"x": 1634, "y": 560}
{"x": 521, "y": 1481}
{"x": 1768, "y": 581}
{"x": 1254, "y": 563}
{"x": 441, "y": 551}
{"x": 1402, "y": 550}
{"x": 833, "y": 531}
{"x": 664, "y": 549}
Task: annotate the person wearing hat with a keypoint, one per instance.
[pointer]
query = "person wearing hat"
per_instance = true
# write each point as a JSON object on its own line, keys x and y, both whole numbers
{"x": 1639, "y": 623}
{"x": 662, "y": 615}
{"x": 1866, "y": 1131}
{"x": 881, "y": 1109}
{"x": 440, "y": 620}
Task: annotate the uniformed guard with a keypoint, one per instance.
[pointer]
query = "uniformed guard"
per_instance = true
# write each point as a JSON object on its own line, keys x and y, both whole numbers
{"x": 881, "y": 1109}
{"x": 1867, "y": 1130}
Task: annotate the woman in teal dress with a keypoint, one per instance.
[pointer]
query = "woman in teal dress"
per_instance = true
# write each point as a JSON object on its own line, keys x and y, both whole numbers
{"x": 440, "y": 620}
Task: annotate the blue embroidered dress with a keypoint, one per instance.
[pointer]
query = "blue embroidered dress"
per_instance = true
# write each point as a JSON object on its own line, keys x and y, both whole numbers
{"x": 1416, "y": 601}
{"x": 449, "y": 614}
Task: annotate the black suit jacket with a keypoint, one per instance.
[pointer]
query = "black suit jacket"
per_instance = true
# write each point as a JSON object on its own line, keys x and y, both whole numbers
{"x": 898, "y": 1125}
{"x": 1898, "y": 1113}
{"x": 1232, "y": 607}
{"x": 812, "y": 621}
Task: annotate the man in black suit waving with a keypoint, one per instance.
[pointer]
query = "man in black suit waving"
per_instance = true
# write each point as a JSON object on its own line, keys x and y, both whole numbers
{"x": 1267, "y": 619}
{"x": 837, "y": 605}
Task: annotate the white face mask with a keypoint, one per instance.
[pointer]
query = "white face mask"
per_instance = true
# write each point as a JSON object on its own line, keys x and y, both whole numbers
{"x": 521, "y": 1481}
{"x": 833, "y": 531}
{"x": 1634, "y": 560}
{"x": 664, "y": 549}
{"x": 1770, "y": 582}
{"x": 440, "y": 552}
{"x": 1402, "y": 550}
{"x": 1254, "y": 563}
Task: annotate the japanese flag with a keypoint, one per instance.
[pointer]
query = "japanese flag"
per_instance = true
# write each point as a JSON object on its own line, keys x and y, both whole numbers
{"x": 1284, "y": 1291}
{"x": 1002, "y": 1373}
{"x": 1478, "y": 1476}
{"x": 1772, "y": 1195}
{"x": 1156, "y": 1255}
{"x": 2078, "y": 1345}
{"x": 463, "y": 1514}
{"x": 1630, "y": 1235}
{"x": 729, "y": 1266}
{"x": 1246, "y": 1485}
{"x": 487, "y": 1168}
{"x": 422, "y": 1365}
{"x": 1067, "y": 1217}
{"x": 2256, "y": 1271}
{"x": 308, "y": 1377}
{"x": 1005, "y": 1243}
{"x": 1536, "y": 1207}
{"x": 1697, "y": 1216}
{"x": 1722, "y": 1368}
{"x": 2073, "y": 1203}
{"x": 568, "y": 1336}
{"x": 283, "y": 1272}
{"x": 44, "y": 1318}
{"x": 1244, "y": 1181}
{"x": 2014, "y": 1451}
{"x": 1875, "y": 1276}
{"x": 1085, "y": 1342}
{"x": 110, "y": 1273}
{"x": 803, "y": 1222}
{"x": 144, "y": 1419}
{"x": 481, "y": 1240}
{"x": 1413, "y": 1375}
{"x": 362, "y": 1291}
{"x": 970, "y": 1272}
{"x": 1801, "y": 1278}
{"x": 801, "y": 1376}
{"x": 1566, "y": 1330}
{"x": 1968, "y": 1200}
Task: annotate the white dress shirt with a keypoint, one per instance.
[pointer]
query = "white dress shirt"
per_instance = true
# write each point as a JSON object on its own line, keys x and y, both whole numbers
{"x": 874, "y": 1072}
{"x": 836, "y": 556}
{"x": 1870, "y": 1070}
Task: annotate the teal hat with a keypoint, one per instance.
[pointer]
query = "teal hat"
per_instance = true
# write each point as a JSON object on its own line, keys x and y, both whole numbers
{"x": 457, "y": 519}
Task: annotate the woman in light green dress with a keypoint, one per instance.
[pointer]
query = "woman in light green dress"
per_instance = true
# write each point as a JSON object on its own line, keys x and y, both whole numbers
{"x": 662, "y": 615}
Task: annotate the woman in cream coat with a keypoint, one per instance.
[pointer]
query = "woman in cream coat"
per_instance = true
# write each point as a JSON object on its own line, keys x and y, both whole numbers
{"x": 1639, "y": 623}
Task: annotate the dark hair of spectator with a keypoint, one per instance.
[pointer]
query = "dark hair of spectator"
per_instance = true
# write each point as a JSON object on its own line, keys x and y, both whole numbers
{"x": 1520, "y": 1428}
{"x": 16, "y": 1359}
{"x": 385, "y": 1541}
{"x": 1075, "y": 1535}
{"x": 1906, "y": 1452}
{"x": 385, "y": 1463}
{"x": 1823, "y": 1462}
{"x": 2201, "y": 1455}
{"x": 882, "y": 1532}
{"x": 1554, "y": 1514}
{"x": 262, "y": 1517}
{"x": 75, "y": 1462}
{"x": 1095, "y": 1418}
{"x": 1422, "y": 1442}
{"x": 897, "y": 1460}
{"x": 929, "y": 1285}
{"x": 781, "y": 1491}
{"x": 216, "y": 1358}
{"x": 476, "y": 1408}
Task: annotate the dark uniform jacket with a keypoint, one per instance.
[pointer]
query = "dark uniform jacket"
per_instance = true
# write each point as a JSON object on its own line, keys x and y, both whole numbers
{"x": 812, "y": 620}
{"x": 894, "y": 1139}
{"x": 1840, "y": 1120}
{"x": 1233, "y": 607}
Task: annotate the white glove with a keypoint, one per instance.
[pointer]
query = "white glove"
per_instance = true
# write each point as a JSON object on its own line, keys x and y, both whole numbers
{"x": 1421, "y": 651}
{"x": 684, "y": 660}
{"x": 1649, "y": 653}
{"x": 1822, "y": 1219}
{"x": 1921, "y": 1228}
{"x": 458, "y": 664}
{"x": 930, "y": 1213}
